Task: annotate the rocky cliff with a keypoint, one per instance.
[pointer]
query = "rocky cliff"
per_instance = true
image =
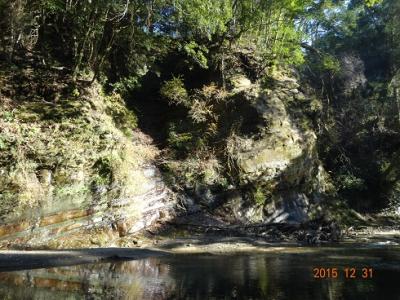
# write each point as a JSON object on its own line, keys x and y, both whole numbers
{"x": 281, "y": 162}
{"x": 77, "y": 172}
{"x": 250, "y": 152}
{"x": 74, "y": 169}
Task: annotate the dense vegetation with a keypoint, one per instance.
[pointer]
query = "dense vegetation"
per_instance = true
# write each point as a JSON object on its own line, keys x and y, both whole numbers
{"x": 356, "y": 67}
{"x": 172, "y": 61}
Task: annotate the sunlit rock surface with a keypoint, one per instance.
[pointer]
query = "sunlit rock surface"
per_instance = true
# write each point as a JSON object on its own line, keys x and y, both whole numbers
{"x": 281, "y": 159}
{"x": 104, "y": 218}
{"x": 77, "y": 173}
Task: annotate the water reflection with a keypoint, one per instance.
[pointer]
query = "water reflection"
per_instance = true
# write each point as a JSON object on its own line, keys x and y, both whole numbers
{"x": 267, "y": 276}
{"x": 143, "y": 279}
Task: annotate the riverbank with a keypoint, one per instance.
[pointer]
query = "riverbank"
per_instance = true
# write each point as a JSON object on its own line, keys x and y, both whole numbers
{"x": 363, "y": 237}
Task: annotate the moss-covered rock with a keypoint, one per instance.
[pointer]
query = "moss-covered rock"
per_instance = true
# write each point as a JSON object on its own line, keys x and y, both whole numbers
{"x": 280, "y": 164}
{"x": 73, "y": 165}
{"x": 264, "y": 147}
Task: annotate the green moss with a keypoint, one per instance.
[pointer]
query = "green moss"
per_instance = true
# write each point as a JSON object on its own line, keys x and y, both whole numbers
{"x": 103, "y": 169}
{"x": 123, "y": 118}
{"x": 81, "y": 139}
{"x": 67, "y": 192}
{"x": 180, "y": 141}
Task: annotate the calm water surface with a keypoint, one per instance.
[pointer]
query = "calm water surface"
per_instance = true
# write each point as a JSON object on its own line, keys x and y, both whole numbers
{"x": 286, "y": 274}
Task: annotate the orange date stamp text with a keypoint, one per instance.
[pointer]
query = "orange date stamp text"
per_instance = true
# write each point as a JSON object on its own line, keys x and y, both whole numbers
{"x": 344, "y": 272}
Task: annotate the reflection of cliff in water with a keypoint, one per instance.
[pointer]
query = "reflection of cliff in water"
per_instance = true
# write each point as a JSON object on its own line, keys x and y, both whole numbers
{"x": 283, "y": 275}
{"x": 143, "y": 279}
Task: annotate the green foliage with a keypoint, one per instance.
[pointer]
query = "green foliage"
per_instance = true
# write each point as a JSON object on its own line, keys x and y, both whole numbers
{"x": 330, "y": 64}
{"x": 197, "y": 53}
{"x": 75, "y": 93}
{"x": 53, "y": 6}
{"x": 355, "y": 43}
{"x": 259, "y": 196}
{"x": 103, "y": 168}
{"x": 123, "y": 43}
{"x": 118, "y": 38}
{"x": 350, "y": 182}
{"x": 391, "y": 9}
{"x": 372, "y": 2}
{"x": 270, "y": 25}
{"x": 79, "y": 141}
{"x": 126, "y": 84}
{"x": 124, "y": 119}
{"x": 174, "y": 91}
{"x": 204, "y": 17}
{"x": 3, "y": 145}
{"x": 180, "y": 141}
{"x": 8, "y": 116}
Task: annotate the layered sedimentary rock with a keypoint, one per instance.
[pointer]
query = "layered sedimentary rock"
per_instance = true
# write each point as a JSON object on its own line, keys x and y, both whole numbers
{"x": 74, "y": 172}
{"x": 280, "y": 161}
{"x": 98, "y": 221}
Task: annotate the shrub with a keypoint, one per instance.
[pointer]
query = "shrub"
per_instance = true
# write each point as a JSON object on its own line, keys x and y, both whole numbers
{"x": 174, "y": 91}
{"x": 259, "y": 196}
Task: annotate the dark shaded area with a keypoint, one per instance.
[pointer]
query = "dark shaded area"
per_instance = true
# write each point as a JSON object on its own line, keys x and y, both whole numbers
{"x": 35, "y": 82}
{"x": 24, "y": 260}
{"x": 241, "y": 115}
{"x": 154, "y": 113}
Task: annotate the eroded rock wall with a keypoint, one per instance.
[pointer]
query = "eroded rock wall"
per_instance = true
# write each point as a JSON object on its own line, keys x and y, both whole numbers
{"x": 280, "y": 163}
{"x": 75, "y": 172}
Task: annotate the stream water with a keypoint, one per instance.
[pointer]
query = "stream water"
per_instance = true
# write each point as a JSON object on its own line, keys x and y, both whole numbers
{"x": 288, "y": 273}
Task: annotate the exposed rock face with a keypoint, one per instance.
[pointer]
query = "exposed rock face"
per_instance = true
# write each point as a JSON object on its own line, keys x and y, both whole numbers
{"x": 288, "y": 207}
{"x": 270, "y": 155}
{"x": 281, "y": 161}
{"x": 76, "y": 174}
{"x": 100, "y": 217}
